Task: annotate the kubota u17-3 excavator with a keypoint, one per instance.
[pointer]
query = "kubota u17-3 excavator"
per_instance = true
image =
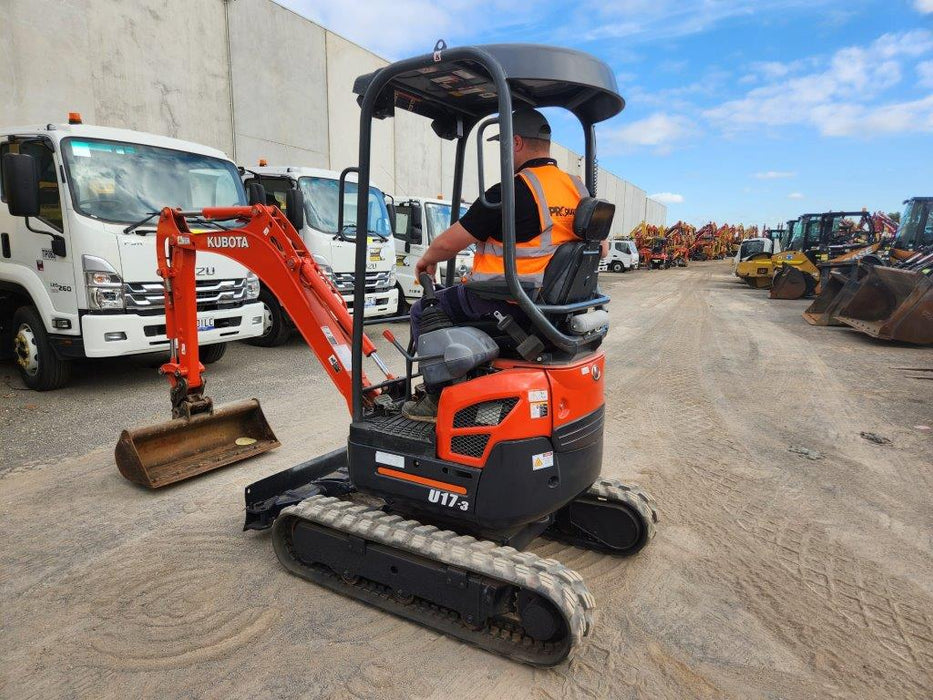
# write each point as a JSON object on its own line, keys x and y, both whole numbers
{"x": 516, "y": 451}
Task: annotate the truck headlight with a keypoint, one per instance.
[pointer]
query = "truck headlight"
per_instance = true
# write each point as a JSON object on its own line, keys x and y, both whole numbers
{"x": 391, "y": 279}
{"x": 324, "y": 265}
{"x": 103, "y": 285}
{"x": 252, "y": 286}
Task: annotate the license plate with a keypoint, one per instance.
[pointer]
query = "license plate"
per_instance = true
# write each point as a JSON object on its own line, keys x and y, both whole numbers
{"x": 205, "y": 324}
{"x": 369, "y": 302}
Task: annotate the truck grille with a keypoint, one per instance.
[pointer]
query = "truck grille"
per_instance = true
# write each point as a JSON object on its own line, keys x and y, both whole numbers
{"x": 147, "y": 298}
{"x": 375, "y": 281}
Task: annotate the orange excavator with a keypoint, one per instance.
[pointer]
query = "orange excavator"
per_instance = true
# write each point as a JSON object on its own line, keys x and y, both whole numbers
{"x": 516, "y": 450}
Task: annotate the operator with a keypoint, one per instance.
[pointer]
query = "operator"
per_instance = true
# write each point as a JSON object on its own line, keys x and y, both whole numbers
{"x": 546, "y": 199}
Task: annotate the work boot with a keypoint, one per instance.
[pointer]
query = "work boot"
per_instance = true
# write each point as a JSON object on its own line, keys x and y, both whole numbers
{"x": 423, "y": 409}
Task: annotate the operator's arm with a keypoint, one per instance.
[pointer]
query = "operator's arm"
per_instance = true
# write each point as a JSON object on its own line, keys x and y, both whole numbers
{"x": 444, "y": 247}
{"x": 604, "y": 248}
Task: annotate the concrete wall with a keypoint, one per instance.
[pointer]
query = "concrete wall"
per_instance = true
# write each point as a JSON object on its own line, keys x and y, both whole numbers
{"x": 162, "y": 67}
{"x": 247, "y": 76}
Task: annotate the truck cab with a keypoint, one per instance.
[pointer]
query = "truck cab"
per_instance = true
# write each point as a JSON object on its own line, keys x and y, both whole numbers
{"x": 622, "y": 257}
{"x": 333, "y": 250}
{"x": 78, "y": 273}
{"x": 418, "y": 220}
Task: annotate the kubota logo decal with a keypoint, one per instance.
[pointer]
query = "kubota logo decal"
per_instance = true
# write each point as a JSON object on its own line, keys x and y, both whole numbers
{"x": 227, "y": 242}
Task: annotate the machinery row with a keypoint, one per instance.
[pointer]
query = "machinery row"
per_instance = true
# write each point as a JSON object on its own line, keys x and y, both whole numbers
{"x": 655, "y": 248}
{"x": 864, "y": 270}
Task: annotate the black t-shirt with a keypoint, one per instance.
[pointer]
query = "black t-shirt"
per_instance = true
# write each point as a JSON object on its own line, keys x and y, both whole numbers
{"x": 482, "y": 222}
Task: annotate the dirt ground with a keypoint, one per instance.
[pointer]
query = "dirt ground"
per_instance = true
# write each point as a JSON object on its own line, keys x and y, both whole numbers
{"x": 774, "y": 573}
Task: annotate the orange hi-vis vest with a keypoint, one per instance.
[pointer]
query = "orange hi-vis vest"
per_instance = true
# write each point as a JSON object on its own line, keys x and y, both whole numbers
{"x": 557, "y": 194}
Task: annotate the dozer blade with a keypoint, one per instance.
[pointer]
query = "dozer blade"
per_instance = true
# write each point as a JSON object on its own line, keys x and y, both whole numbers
{"x": 892, "y": 304}
{"x": 179, "y": 449}
{"x": 836, "y": 291}
{"x": 791, "y": 283}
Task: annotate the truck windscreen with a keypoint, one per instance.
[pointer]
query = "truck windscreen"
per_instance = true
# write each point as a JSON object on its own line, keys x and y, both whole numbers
{"x": 438, "y": 216}
{"x": 123, "y": 182}
{"x": 321, "y": 199}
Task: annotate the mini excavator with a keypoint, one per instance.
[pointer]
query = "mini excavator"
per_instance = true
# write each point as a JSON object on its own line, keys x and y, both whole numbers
{"x": 428, "y": 521}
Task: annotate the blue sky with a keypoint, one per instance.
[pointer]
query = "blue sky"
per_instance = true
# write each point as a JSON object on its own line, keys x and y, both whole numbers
{"x": 742, "y": 111}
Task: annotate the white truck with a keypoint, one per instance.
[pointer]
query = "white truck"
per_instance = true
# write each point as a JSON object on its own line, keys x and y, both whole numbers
{"x": 417, "y": 221}
{"x": 77, "y": 246}
{"x": 333, "y": 250}
{"x": 622, "y": 257}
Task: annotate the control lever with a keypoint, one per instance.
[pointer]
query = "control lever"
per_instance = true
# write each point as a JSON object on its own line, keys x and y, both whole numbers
{"x": 428, "y": 283}
{"x": 529, "y": 347}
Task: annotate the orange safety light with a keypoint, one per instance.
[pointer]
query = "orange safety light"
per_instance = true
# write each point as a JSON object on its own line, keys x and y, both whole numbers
{"x": 74, "y": 118}
{"x": 263, "y": 162}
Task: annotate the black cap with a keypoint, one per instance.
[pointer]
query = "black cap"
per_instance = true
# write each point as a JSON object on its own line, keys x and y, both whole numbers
{"x": 529, "y": 123}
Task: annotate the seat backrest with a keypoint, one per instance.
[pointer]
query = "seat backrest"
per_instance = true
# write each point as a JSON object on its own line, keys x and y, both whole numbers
{"x": 571, "y": 274}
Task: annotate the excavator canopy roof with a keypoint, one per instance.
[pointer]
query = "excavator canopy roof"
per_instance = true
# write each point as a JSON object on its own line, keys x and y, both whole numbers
{"x": 539, "y": 76}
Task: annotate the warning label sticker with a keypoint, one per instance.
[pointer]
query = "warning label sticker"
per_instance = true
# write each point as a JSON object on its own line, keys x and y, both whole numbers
{"x": 542, "y": 461}
{"x": 390, "y": 459}
{"x": 539, "y": 409}
{"x": 341, "y": 349}
{"x": 537, "y": 395}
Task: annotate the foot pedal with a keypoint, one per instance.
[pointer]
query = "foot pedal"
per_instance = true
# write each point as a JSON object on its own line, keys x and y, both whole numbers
{"x": 529, "y": 347}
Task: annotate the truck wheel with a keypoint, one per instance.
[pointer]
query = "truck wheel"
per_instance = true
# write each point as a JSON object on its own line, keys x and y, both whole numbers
{"x": 209, "y": 354}
{"x": 617, "y": 266}
{"x": 275, "y": 327}
{"x": 402, "y": 308}
{"x": 38, "y": 363}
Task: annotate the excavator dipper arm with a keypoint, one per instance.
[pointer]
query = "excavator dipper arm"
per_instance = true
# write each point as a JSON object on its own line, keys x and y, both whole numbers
{"x": 266, "y": 243}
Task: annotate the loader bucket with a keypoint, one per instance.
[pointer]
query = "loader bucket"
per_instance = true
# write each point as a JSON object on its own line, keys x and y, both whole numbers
{"x": 157, "y": 455}
{"x": 791, "y": 283}
{"x": 836, "y": 289}
{"x": 892, "y": 304}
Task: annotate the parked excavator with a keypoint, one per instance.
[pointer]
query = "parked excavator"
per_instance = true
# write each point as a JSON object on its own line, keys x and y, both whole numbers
{"x": 886, "y": 294}
{"x": 516, "y": 451}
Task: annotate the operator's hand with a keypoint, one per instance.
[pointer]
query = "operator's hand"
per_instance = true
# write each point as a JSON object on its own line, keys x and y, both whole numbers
{"x": 603, "y": 248}
{"x": 424, "y": 266}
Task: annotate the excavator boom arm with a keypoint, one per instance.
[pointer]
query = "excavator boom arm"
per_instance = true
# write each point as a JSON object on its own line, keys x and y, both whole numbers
{"x": 266, "y": 243}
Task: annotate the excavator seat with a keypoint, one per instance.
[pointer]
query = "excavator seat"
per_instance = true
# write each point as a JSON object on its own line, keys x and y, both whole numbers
{"x": 570, "y": 277}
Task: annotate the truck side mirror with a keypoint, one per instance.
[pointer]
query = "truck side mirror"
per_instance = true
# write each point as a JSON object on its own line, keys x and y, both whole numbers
{"x": 390, "y": 207}
{"x": 21, "y": 183}
{"x": 415, "y": 235}
{"x": 295, "y": 208}
{"x": 256, "y": 193}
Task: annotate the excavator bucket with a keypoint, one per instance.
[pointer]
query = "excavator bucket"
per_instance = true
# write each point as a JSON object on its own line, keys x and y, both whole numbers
{"x": 791, "y": 283}
{"x": 836, "y": 289}
{"x": 892, "y": 304}
{"x": 158, "y": 455}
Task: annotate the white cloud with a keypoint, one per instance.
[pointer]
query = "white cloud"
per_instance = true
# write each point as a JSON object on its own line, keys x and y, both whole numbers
{"x": 775, "y": 174}
{"x": 925, "y": 73}
{"x": 398, "y": 28}
{"x": 654, "y": 20}
{"x": 667, "y": 198}
{"x": 923, "y": 6}
{"x": 838, "y": 100}
{"x": 660, "y": 130}
{"x": 795, "y": 195}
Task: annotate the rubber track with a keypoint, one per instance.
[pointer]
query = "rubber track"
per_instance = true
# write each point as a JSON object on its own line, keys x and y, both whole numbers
{"x": 631, "y": 495}
{"x": 548, "y": 578}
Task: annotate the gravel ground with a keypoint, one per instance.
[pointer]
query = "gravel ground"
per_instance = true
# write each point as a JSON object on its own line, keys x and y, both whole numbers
{"x": 793, "y": 558}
